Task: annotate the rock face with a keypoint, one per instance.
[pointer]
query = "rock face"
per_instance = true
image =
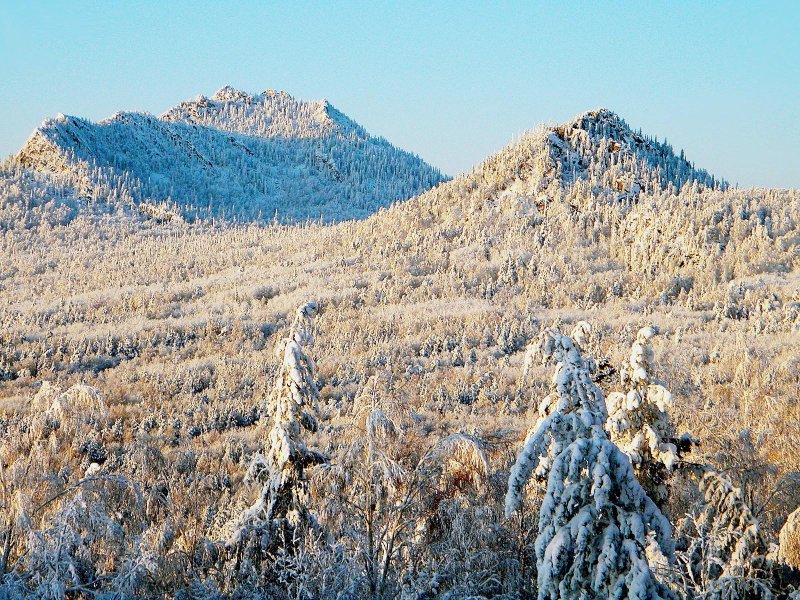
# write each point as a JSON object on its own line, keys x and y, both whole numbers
{"x": 789, "y": 549}
{"x": 236, "y": 157}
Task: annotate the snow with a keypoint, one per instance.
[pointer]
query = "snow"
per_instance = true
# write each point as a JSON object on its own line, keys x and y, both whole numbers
{"x": 639, "y": 421}
{"x": 593, "y": 506}
{"x": 236, "y": 157}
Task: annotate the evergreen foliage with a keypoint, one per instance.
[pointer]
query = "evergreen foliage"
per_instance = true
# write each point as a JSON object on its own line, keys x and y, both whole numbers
{"x": 595, "y": 521}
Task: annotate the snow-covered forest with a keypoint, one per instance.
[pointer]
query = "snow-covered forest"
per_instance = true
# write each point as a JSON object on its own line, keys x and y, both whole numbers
{"x": 234, "y": 157}
{"x": 571, "y": 373}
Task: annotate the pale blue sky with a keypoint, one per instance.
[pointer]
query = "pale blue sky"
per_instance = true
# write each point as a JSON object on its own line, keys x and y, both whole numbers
{"x": 452, "y": 81}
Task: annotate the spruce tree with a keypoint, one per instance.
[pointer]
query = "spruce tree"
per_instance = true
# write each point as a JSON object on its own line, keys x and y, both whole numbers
{"x": 596, "y": 522}
{"x": 638, "y": 419}
{"x": 283, "y": 504}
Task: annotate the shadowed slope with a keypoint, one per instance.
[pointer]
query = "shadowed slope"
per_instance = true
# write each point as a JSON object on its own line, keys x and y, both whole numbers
{"x": 235, "y": 157}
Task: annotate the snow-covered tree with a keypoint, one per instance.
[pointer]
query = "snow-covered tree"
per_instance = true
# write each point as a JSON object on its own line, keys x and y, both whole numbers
{"x": 78, "y": 543}
{"x": 596, "y": 522}
{"x": 580, "y": 337}
{"x": 283, "y": 504}
{"x": 638, "y": 419}
{"x": 78, "y": 405}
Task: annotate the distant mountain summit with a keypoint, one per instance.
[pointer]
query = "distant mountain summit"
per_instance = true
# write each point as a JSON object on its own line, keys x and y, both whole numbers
{"x": 233, "y": 156}
{"x": 247, "y": 157}
{"x": 591, "y": 165}
{"x": 598, "y": 151}
{"x": 599, "y": 146}
{"x": 269, "y": 114}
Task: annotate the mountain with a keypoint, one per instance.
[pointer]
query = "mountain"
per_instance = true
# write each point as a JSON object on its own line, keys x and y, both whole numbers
{"x": 594, "y": 162}
{"x": 269, "y": 114}
{"x": 585, "y": 212}
{"x": 425, "y": 311}
{"x": 234, "y": 156}
{"x": 598, "y": 152}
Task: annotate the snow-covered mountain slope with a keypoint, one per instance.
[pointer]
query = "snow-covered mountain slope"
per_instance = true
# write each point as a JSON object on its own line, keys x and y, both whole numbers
{"x": 235, "y": 156}
{"x": 599, "y": 152}
{"x": 593, "y": 160}
{"x": 586, "y": 189}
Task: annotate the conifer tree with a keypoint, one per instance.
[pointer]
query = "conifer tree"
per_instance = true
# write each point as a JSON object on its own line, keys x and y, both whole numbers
{"x": 727, "y": 555}
{"x": 596, "y": 521}
{"x": 638, "y": 421}
{"x": 283, "y": 504}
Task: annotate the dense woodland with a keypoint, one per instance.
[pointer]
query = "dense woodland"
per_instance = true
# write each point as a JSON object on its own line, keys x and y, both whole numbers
{"x": 571, "y": 373}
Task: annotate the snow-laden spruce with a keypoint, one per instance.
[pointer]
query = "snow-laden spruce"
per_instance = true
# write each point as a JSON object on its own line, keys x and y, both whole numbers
{"x": 283, "y": 504}
{"x": 580, "y": 338}
{"x": 638, "y": 419}
{"x": 596, "y": 522}
{"x": 744, "y": 547}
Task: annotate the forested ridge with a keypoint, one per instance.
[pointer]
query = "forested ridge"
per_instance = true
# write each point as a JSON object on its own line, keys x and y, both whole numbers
{"x": 570, "y": 373}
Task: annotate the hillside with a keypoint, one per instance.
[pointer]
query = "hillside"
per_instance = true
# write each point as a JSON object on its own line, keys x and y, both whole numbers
{"x": 234, "y": 157}
{"x": 426, "y": 311}
{"x": 596, "y": 155}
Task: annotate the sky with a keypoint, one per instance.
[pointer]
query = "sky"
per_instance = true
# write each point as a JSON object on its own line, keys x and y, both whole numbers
{"x": 450, "y": 81}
